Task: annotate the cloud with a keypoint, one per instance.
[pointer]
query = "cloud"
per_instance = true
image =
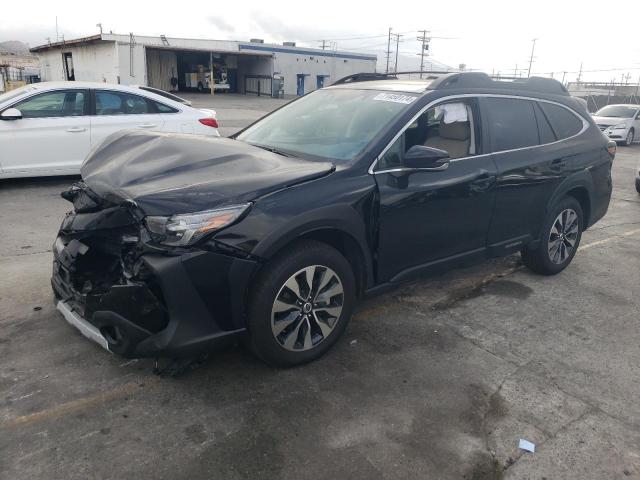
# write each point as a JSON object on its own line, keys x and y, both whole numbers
{"x": 221, "y": 24}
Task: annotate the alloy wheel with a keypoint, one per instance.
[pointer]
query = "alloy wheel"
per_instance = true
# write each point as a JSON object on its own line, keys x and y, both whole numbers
{"x": 307, "y": 308}
{"x": 629, "y": 137}
{"x": 563, "y": 236}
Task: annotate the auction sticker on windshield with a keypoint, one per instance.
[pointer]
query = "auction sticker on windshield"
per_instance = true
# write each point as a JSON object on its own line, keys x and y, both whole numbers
{"x": 394, "y": 97}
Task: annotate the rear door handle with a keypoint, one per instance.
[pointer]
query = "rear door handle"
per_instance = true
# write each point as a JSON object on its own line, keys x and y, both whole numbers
{"x": 148, "y": 125}
{"x": 558, "y": 164}
{"x": 76, "y": 129}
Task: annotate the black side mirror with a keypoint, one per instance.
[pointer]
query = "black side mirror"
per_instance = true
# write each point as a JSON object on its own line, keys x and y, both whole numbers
{"x": 426, "y": 158}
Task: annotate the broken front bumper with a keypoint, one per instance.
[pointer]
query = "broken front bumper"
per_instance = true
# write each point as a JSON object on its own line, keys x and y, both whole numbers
{"x": 187, "y": 304}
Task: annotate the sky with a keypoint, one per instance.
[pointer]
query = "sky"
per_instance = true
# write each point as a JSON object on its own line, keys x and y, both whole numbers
{"x": 490, "y": 35}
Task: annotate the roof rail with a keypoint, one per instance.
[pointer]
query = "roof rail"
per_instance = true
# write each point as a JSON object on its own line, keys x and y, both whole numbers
{"x": 365, "y": 77}
{"x": 482, "y": 80}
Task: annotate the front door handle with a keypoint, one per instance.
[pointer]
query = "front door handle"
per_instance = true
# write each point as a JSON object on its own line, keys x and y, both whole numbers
{"x": 147, "y": 125}
{"x": 558, "y": 164}
{"x": 76, "y": 129}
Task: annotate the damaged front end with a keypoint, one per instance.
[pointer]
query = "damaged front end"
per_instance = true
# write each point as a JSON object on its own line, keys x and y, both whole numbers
{"x": 137, "y": 298}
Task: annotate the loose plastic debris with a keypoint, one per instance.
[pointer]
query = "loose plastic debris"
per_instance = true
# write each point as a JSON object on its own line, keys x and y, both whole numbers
{"x": 527, "y": 445}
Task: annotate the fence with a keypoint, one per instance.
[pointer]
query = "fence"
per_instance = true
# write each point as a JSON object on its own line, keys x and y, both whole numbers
{"x": 257, "y": 85}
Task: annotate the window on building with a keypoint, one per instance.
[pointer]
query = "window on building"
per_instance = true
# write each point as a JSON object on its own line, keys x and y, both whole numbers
{"x": 512, "y": 122}
{"x": 63, "y": 103}
{"x": 119, "y": 103}
{"x": 564, "y": 123}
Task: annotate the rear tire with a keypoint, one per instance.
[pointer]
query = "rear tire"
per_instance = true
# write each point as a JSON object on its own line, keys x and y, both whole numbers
{"x": 292, "y": 322}
{"x": 560, "y": 240}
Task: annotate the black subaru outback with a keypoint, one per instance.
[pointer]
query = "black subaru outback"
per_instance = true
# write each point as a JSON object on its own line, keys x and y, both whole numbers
{"x": 180, "y": 244}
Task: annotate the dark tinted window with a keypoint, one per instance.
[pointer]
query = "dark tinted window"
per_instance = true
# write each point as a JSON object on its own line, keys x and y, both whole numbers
{"x": 118, "y": 103}
{"x": 62, "y": 103}
{"x": 513, "y": 123}
{"x": 544, "y": 129}
{"x": 162, "y": 108}
{"x": 564, "y": 123}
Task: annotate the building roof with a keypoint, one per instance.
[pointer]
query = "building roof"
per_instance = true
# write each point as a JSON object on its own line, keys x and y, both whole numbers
{"x": 67, "y": 43}
{"x": 206, "y": 45}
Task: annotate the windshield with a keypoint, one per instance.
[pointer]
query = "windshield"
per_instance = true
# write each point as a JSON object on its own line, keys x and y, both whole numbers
{"x": 617, "y": 111}
{"x": 334, "y": 123}
{"x": 11, "y": 94}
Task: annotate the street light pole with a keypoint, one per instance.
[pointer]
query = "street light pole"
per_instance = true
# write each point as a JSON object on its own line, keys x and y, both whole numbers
{"x": 533, "y": 48}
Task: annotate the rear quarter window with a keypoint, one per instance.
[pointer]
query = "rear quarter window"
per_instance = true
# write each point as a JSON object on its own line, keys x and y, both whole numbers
{"x": 512, "y": 123}
{"x": 564, "y": 123}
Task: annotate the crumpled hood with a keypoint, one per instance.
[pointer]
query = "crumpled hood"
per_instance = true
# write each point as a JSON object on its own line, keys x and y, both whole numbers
{"x": 166, "y": 174}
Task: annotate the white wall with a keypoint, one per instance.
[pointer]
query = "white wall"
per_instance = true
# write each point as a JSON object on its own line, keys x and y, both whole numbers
{"x": 139, "y": 74}
{"x": 312, "y": 63}
{"x": 92, "y": 63}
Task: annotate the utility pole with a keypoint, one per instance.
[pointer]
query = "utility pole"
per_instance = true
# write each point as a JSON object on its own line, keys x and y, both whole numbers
{"x": 324, "y": 43}
{"x": 425, "y": 48}
{"x": 563, "y": 75}
{"x": 388, "y": 49}
{"x": 99, "y": 25}
{"x": 580, "y": 73}
{"x": 57, "y": 36}
{"x": 533, "y": 48}
{"x": 397, "y": 48}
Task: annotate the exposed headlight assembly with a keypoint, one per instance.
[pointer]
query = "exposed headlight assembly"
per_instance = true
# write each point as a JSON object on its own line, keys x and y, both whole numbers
{"x": 186, "y": 229}
{"x": 620, "y": 126}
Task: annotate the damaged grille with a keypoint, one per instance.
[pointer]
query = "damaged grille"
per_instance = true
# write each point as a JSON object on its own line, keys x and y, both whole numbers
{"x": 98, "y": 264}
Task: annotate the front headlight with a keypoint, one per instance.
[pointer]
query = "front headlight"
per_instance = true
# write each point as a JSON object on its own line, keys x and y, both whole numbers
{"x": 188, "y": 228}
{"x": 620, "y": 126}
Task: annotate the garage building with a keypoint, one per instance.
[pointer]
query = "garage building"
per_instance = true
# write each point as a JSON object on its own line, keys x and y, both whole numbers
{"x": 183, "y": 64}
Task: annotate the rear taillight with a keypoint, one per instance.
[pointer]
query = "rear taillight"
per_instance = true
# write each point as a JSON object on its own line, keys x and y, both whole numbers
{"x": 611, "y": 148}
{"x": 209, "y": 122}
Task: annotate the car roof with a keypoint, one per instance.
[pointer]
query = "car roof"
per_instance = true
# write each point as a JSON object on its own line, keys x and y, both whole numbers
{"x": 407, "y": 86}
{"x": 74, "y": 84}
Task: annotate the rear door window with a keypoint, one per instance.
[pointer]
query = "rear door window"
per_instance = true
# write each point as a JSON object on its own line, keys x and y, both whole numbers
{"x": 564, "y": 123}
{"x": 544, "y": 128}
{"x": 162, "y": 108}
{"x": 512, "y": 123}
{"x": 119, "y": 103}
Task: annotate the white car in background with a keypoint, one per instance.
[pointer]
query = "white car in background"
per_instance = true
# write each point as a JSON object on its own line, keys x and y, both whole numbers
{"x": 619, "y": 122}
{"x": 49, "y": 128}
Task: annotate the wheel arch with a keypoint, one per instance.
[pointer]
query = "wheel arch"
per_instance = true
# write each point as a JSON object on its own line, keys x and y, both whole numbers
{"x": 341, "y": 228}
{"x": 580, "y": 187}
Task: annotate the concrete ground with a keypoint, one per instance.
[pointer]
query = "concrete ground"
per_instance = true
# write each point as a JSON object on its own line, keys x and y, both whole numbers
{"x": 437, "y": 379}
{"x": 235, "y": 111}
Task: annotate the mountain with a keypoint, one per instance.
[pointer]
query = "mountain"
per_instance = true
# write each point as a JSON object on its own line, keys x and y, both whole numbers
{"x": 14, "y": 47}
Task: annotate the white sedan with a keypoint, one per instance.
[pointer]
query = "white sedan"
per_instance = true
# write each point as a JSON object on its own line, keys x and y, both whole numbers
{"x": 619, "y": 122}
{"x": 49, "y": 128}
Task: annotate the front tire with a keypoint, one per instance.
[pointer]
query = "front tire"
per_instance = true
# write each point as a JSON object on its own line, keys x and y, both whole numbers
{"x": 560, "y": 240}
{"x": 301, "y": 304}
{"x": 630, "y": 137}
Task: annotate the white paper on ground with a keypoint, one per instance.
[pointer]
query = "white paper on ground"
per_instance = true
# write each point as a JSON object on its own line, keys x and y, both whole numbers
{"x": 527, "y": 445}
